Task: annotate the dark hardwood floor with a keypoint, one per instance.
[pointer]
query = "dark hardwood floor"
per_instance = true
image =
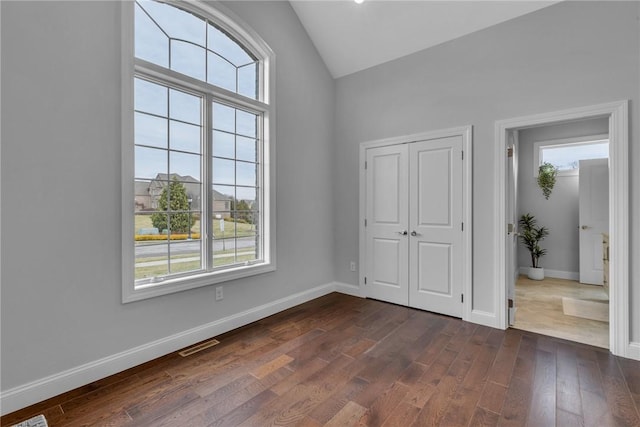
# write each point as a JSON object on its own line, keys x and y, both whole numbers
{"x": 345, "y": 361}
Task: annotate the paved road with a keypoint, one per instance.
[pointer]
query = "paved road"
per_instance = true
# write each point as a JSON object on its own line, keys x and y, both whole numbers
{"x": 186, "y": 247}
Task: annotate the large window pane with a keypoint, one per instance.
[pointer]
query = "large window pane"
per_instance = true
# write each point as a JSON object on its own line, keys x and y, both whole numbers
{"x": 150, "y": 162}
{"x": 247, "y": 81}
{"x": 221, "y": 72}
{"x": 223, "y": 144}
{"x": 151, "y": 44}
{"x": 186, "y": 165}
{"x": 229, "y": 49}
{"x": 246, "y": 149}
{"x": 224, "y": 118}
{"x": 246, "y": 173}
{"x": 567, "y": 157}
{"x": 185, "y": 255}
{"x": 246, "y": 123}
{"x": 177, "y": 23}
{"x": 150, "y": 130}
{"x": 247, "y": 193}
{"x": 188, "y": 59}
{"x": 184, "y": 137}
{"x": 150, "y": 97}
{"x": 223, "y": 171}
{"x": 151, "y": 258}
{"x": 184, "y": 107}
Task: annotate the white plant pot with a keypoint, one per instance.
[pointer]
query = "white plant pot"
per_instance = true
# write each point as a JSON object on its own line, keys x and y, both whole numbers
{"x": 536, "y": 273}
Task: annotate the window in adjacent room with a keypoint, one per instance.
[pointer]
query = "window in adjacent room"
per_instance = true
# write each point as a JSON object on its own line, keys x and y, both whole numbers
{"x": 566, "y": 154}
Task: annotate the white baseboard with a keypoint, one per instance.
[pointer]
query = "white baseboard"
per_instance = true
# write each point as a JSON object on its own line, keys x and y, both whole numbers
{"x": 484, "y": 318}
{"x": 556, "y": 274}
{"x": 346, "y": 288}
{"x": 53, "y": 385}
{"x": 634, "y": 350}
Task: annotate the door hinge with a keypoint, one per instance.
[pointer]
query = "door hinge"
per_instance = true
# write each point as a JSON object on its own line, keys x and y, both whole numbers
{"x": 365, "y": 165}
{"x": 510, "y": 303}
{"x": 461, "y": 297}
{"x": 365, "y": 280}
{"x": 365, "y": 222}
{"x": 462, "y": 226}
{"x": 510, "y": 152}
{"x": 462, "y": 155}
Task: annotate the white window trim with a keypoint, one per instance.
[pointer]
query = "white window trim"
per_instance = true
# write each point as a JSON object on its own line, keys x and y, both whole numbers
{"x": 581, "y": 140}
{"x": 251, "y": 40}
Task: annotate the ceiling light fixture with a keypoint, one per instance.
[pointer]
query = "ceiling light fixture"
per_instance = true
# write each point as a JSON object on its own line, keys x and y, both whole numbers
{"x": 359, "y": 1}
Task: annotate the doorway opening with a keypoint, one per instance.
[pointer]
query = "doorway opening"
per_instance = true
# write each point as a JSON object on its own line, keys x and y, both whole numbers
{"x": 567, "y": 299}
{"x": 616, "y": 114}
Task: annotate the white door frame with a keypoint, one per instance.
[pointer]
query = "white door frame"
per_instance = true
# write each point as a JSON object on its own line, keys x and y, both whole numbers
{"x": 466, "y": 133}
{"x": 618, "y": 114}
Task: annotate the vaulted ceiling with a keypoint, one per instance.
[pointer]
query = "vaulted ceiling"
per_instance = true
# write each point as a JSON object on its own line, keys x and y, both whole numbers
{"x": 351, "y": 37}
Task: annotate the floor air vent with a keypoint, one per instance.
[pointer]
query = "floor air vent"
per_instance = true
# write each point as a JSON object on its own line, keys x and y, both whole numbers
{"x": 198, "y": 347}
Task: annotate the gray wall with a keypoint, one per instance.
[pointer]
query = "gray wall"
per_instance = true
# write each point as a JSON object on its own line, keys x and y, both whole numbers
{"x": 560, "y": 212}
{"x": 568, "y": 55}
{"x": 60, "y": 170}
{"x": 61, "y": 266}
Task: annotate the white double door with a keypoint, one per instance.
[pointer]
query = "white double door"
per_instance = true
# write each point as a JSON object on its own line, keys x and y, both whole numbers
{"x": 414, "y": 230}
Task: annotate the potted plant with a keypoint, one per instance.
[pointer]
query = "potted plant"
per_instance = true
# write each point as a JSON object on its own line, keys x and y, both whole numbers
{"x": 547, "y": 178}
{"x": 531, "y": 236}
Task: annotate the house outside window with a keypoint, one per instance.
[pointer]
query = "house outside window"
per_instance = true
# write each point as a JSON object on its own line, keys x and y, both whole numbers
{"x": 197, "y": 149}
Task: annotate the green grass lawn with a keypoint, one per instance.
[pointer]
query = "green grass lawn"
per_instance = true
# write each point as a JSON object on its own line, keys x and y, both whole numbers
{"x": 161, "y": 270}
{"x": 144, "y": 221}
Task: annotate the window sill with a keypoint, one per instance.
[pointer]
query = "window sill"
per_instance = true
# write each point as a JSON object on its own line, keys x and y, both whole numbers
{"x": 180, "y": 284}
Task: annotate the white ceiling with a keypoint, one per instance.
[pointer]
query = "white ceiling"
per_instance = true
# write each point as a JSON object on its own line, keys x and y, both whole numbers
{"x": 351, "y": 37}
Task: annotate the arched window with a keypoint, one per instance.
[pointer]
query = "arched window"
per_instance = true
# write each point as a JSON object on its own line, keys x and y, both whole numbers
{"x": 197, "y": 146}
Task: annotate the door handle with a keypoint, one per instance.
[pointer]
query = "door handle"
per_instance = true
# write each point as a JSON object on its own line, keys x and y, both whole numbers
{"x": 403, "y": 232}
{"x": 585, "y": 227}
{"x": 415, "y": 233}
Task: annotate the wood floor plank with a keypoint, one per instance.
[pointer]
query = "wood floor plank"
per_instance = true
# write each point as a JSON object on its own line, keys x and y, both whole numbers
{"x": 543, "y": 403}
{"x": 596, "y": 410}
{"x": 384, "y": 405}
{"x": 349, "y": 415}
{"x": 568, "y": 419}
{"x": 484, "y": 418}
{"x": 631, "y": 373}
{"x": 342, "y": 360}
{"x": 492, "y": 397}
{"x": 462, "y": 406}
{"x": 506, "y": 358}
{"x": 403, "y": 415}
{"x": 324, "y": 411}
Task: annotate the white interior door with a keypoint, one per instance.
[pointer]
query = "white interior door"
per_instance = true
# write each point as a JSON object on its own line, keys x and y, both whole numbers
{"x": 594, "y": 217}
{"x": 512, "y": 220}
{"x": 435, "y": 223}
{"x": 386, "y": 224}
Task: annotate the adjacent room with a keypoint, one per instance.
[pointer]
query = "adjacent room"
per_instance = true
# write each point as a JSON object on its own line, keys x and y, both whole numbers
{"x": 570, "y": 299}
{"x": 310, "y": 213}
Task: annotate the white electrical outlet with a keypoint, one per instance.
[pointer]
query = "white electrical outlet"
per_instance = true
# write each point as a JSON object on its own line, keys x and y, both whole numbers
{"x": 352, "y": 266}
{"x": 219, "y": 294}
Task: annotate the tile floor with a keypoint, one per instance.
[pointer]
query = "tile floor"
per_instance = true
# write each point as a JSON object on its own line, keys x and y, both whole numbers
{"x": 539, "y": 309}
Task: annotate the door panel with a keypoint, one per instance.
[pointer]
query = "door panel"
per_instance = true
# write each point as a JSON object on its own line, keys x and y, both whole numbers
{"x": 434, "y": 269}
{"x": 387, "y": 219}
{"x": 594, "y": 218}
{"x": 387, "y": 254}
{"x": 435, "y": 221}
{"x": 434, "y": 182}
